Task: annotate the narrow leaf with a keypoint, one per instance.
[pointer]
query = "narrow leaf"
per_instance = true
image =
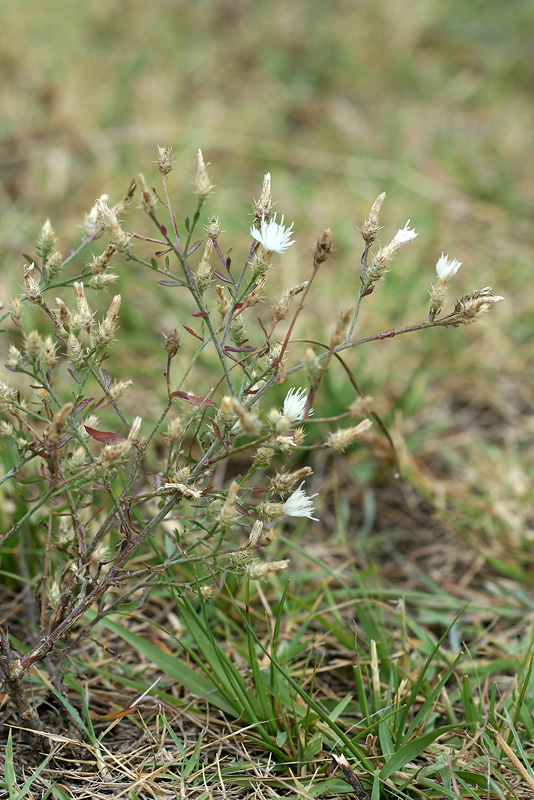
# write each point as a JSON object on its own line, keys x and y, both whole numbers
{"x": 193, "y": 399}
{"x": 192, "y": 332}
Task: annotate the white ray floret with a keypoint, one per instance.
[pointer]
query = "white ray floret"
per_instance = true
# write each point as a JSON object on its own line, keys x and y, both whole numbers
{"x": 446, "y": 268}
{"x": 299, "y": 504}
{"x": 274, "y": 236}
{"x": 405, "y": 235}
{"x": 295, "y": 404}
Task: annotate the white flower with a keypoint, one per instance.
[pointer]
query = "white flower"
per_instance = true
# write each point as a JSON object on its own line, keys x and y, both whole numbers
{"x": 294, "y": 405}
{"x": 273, "y": 236}
{"x": 299, "y": 504}
{"x": 405, "y": 235}
{"x": 445, "y": 269}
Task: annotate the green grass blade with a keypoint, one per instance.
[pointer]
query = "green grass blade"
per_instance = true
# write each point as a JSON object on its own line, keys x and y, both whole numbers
{"x": 409, "y": 751}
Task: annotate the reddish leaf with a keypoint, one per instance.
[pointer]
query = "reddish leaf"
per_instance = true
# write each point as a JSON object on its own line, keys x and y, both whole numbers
{"x": 160, "y": 253}
{"x": 246, "y": 349}
{"x": 193, "y": 333}
{"x": 369, "y": 291}
{"x": 221, "y": 277}
{"x": 163, "y": 230}
{"x": 104, "y": 436}
{"x": 193, "y": 399}
{"x": 81, "y": 405}
{"x": 201, "y": 314}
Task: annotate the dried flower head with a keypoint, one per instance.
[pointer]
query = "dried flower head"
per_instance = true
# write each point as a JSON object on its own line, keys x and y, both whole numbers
{"x": 255, "y": 534}
{"x": 149, "y": 201}
{"x": 226, "y": 414}
{"x": 361, "y": 406}
{"x": 283, "y": 482}
{"x": 257, "y": 572}
{"x": 370, "y": 227}
{"x": 323, "y": 247}
{"x": 49, "y": 352}
{"x": 228, "y": 512}
{"x": 213, "y": 229}
{"x": 175, "y": 429}
{"x": 30, "y": 286}
{"x": 263, "y": 206}
{"x": 15, "y": 357}
{"x": 264, "y": 456}
{"x": 248, "y": 420}
{"x": 120, "y": 239}
{"x": 165, "y": 160}
{"x": 83, "y": 318}
{"x": 470, "y": 307}
{"x": 99, "y": 263}
{"x": 46, "y": 240}
{"x": 91, "y": 220}
{"x": 106, "y": 328}
{"x": 54, "y": 264}
{"x": 281, "y": 309}
{"x": 57, "y": 426}
{"x": 341, "y": 329}
{"x": 203, "y": 184}
{"x": 340, "y": 439}
{"x": 33, "y": 346}
{"x": 203, "y": 272}
{"x": 273, "y": 236}
{"x": 172, "y": 342}
{"x": 75, "y": 351}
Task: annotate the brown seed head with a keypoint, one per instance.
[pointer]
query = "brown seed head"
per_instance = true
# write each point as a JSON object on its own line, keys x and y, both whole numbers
{"x": 165, "y": 160}
{"x": 370, "y": 227}
{"x": 323, "y": 247}
{"x": 172, "y": 343}
{"x": 472, "y": 306}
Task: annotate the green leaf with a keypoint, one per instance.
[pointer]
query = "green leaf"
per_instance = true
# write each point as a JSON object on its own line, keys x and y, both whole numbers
{"x": 409, "y": 751}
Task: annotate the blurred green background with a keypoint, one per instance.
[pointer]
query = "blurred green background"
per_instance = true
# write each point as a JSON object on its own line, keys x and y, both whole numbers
{"x": 430, "y": 101}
